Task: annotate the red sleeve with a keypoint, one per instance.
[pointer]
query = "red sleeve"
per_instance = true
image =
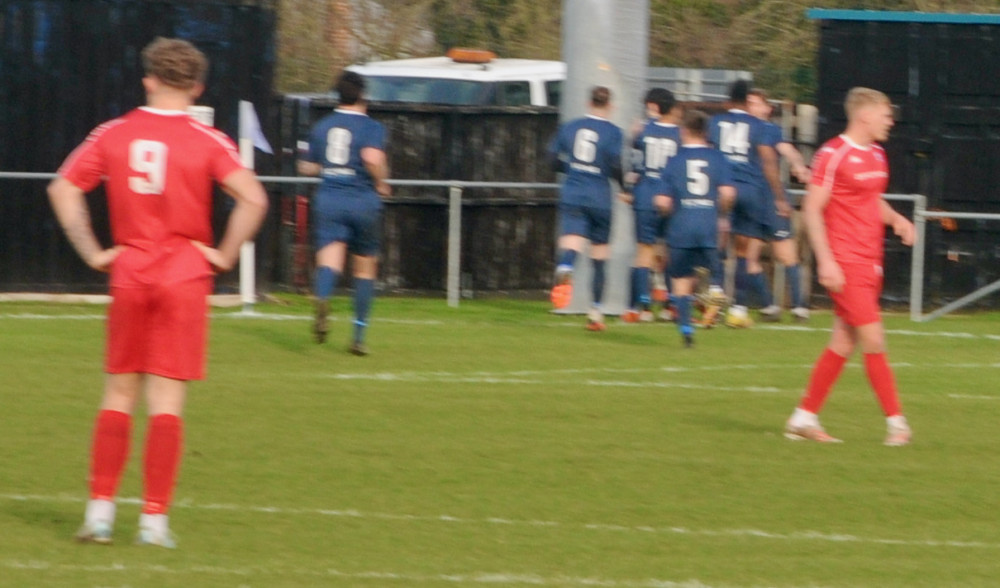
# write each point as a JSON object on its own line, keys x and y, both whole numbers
{"x": 225, "y": 158}
{"x": 86, "y": 166}
{"x": 824, "y": 167}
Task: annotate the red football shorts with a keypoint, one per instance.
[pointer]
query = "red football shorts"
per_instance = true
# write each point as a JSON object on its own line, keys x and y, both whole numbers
{"x": 159, "y": 330}
{"x": 857, "y": 303}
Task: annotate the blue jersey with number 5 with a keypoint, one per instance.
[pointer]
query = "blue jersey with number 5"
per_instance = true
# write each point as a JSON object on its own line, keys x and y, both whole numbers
{"x": 738, "y": 134}
{"x": 692, "y": 180}
{"x": 590, "y": 152}
{"x": 335, "y": 142}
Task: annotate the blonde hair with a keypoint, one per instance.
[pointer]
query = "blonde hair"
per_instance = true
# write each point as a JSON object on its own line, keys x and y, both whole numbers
{"x": 175, "y": 62}
{"x": 860, "y": 97}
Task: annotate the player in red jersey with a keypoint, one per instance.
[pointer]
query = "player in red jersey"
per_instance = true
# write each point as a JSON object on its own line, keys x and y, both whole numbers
{"x": 158, "y": 166}
{"x": 845, "y": 216}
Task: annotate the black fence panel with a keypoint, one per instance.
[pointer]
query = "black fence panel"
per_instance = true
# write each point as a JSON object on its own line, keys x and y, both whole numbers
{"x": 68, "y": 65}
{"x": 508, "y": 235}
{"x": 944, "y": 80}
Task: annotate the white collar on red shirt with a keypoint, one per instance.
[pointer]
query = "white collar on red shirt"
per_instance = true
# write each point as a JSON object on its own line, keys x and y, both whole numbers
{"x": 163, "y": 111}
{"x": 850, "y": 142}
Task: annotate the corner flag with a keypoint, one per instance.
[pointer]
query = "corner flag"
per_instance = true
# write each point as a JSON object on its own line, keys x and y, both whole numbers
{"x": 250, "y": 127}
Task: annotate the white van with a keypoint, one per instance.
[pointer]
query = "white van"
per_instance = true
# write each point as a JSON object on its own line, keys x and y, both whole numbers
{"x": 465, "y": 77}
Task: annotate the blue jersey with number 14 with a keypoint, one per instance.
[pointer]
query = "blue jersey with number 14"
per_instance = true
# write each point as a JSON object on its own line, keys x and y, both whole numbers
{"x": 692, "y": 179}
{"x": 590, "y": 151}
{"x": 738, "y": 134}
{"x": 335, "y": 142}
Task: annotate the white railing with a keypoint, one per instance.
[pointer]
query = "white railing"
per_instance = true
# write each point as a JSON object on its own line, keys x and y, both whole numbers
{"x": 457, "y": 187}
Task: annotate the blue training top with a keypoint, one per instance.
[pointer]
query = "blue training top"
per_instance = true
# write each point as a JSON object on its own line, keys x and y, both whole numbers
{"x": 335, "y": 142}
{"x": 738, "y": 134}
{"x": 692, "y": 180}
{"x": 589, "y": 151}
{"x": 657, "y": 142}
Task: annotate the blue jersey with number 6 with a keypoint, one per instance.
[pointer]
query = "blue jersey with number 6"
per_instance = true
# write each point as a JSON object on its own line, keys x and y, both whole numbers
{"x": 737, "y": 134}
{"x": 335, "y": 142}
{"x": 692, "y": 180}
{"x": 589, "y": 150}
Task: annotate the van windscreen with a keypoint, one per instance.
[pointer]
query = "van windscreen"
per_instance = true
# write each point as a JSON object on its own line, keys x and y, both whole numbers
{"x": 428, "y": 90}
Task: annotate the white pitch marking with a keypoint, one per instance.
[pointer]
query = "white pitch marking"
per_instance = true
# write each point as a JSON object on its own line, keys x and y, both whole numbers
{"x": 225, "y": 315}
{"x": 973, "y": 397}
{"x": 903, "y": 332}
{"x": 465, "y": 579}
{"x": 645, "y": 529}
{"x": 682, "y": 386}
{"x": 45, "y": 317}
{"x": 302, "y": 317}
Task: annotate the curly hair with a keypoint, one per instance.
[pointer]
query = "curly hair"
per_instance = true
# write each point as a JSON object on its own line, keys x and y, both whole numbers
{"x": 175, "y": 62}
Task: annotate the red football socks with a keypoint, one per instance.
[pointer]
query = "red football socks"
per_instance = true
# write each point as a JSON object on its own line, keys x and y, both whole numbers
{"x": 883, "y": 382}
{"x": 825, "y": 373}
{"x": 162, "y": 458}
{"x": 109, "y": 452}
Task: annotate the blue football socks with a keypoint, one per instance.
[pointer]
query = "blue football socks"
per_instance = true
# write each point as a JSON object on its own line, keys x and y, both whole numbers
{"x": 566, "y": 259}
{"x": 759, "y": 286}
{"x": 364, "y": 294}
{"x": 683, "y": 304}
{"x": 741, "y": 282}
{"x": 792, "y": 276}
{"x": 598, "y": 283}
{"x": 641, "y": 287}
{"x": 325, "y": 281}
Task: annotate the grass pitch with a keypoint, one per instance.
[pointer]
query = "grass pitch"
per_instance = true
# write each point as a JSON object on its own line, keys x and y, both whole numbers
{"x": 496, "y": 444}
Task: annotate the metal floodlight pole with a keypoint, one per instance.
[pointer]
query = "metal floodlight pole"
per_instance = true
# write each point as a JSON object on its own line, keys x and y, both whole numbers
{"x": 917, "y": 258}
{"x": 454, "y": 244}
{"x": 606, "y": 43}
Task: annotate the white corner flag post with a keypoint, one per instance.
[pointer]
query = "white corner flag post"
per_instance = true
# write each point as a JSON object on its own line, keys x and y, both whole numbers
{"x": 251, "y": 136}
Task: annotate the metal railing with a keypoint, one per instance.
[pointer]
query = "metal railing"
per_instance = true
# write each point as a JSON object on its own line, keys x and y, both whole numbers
{"x": 457, "y": 187}
{"x": 455, "y": 190}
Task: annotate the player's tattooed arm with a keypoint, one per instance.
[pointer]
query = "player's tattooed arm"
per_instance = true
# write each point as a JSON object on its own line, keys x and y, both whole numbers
{"x": 71, "y": 210}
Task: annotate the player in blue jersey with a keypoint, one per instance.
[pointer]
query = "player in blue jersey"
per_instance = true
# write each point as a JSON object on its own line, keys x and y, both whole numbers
{"x": 347, "y": 150}
{"x": 783, "y": 244}
{"x": 694, "y": 187}
{"x": 589, "y": 151}
{"x": 742, "y": 138}
{"x": 654, "y": 145}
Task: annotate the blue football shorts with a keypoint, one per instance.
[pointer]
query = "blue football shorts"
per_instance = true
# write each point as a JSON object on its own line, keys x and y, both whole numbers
{"x": 360, "y": 229}
{"x": 586, "y": 221}
{"x": 650, "y": 226}
{"x": 751, "y": 216}
{"x": 684, "y": 261}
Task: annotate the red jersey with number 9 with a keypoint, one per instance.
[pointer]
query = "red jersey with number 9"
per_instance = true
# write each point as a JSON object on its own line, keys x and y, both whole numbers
{"x": 857, "y": 177}
{"x": 159, "y": 167}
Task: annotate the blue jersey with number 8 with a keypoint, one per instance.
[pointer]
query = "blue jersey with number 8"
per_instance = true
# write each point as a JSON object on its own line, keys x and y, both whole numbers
{"x": 335, "y": 142}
